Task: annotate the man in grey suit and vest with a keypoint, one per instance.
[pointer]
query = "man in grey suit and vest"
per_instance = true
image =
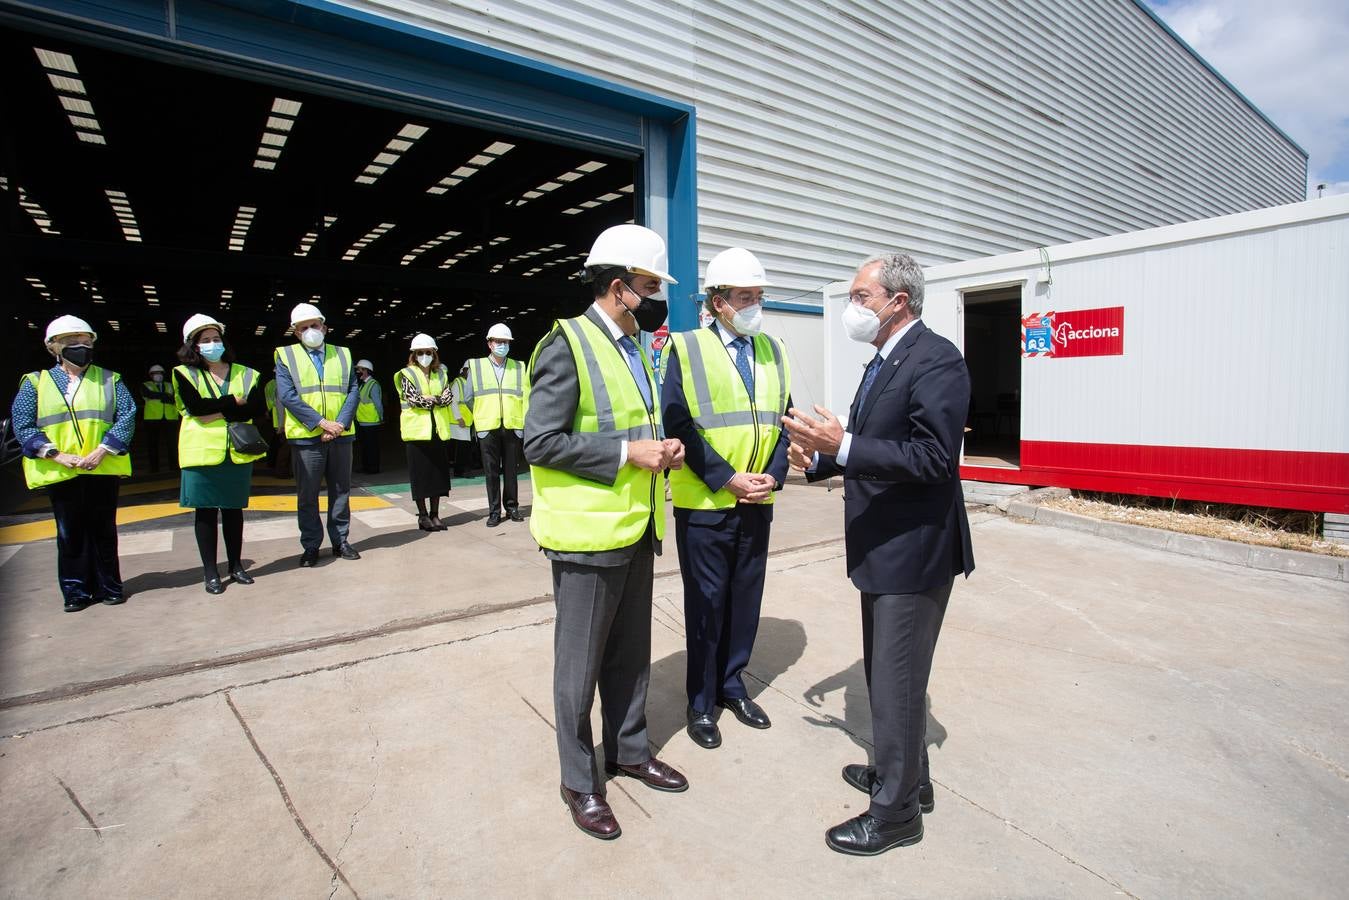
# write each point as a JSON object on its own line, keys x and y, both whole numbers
{"x": 905, "y": 531}
{"x": 594, "y": 442}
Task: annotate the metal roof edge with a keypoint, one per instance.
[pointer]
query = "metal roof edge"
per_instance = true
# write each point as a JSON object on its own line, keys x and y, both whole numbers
{"x": 1333, "y": 207}
{"x": 1142, "y": 4}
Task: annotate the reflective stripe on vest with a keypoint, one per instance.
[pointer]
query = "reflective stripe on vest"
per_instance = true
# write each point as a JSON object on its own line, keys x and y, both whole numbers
{"x": 460, "y": 390}
{"x": 578, "y": 515}
{"x": 366, "y": 411}
{"x": 160, "y": 402}
{"x": 94, "y": 409}
{"x": 495, "y": 405}
{"x": 206, "y": 443}
{"x": 742, "y": 429}
{"x": 325, "y": 395}
{"x": 414, "y": 423}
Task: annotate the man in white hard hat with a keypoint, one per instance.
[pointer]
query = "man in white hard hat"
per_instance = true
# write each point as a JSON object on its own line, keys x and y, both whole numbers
{"x": 316, "y": 385}
{"x": 159, "y": 417}
{"x": 369, "y": 416}
{"x": 726, "y": 388}
{"x": 74, "y": 422}
{"x": 597, "y": 452}
{"x": 497, "y": 386}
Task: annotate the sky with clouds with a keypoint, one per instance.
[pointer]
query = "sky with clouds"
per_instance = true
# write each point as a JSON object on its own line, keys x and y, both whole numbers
{"x": 1290, "y": 58}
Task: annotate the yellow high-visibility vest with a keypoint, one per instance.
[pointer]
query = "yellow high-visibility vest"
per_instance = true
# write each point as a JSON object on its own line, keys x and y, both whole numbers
{"x": 460, "y": 389}
{"x": 414, "y": 423}
{"x": 741, "y": 428}
{"x": 206, "y": 443}
{"x": 276, "y": 410}
{"x": 575, "y": 514}
{"x": 325, "y": 395}
{"x": 78, "y": 428}
{"x": 495, "y": 405}
{"x": 161, "y": 401}
{"x": 366, "y": 411}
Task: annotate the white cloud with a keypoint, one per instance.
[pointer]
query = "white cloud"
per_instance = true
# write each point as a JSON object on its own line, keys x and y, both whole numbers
{"x": 1290, "y": 60}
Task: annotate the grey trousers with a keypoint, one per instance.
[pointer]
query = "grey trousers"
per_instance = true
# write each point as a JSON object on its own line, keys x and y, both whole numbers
{"x": 899, "y": 637}
{"x": 313, "y": 463}
{"x": 602, "y": 638}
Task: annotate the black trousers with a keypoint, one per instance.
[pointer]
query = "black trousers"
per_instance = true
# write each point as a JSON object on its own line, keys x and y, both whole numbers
{"x": 85, "y": 508}
{"x": 722, "y": 562}
{"x": 501, "y": 452}
{"x": 367, "y": 436}
{"x": 157, "y": 433}
{"x": 899, "y": 637}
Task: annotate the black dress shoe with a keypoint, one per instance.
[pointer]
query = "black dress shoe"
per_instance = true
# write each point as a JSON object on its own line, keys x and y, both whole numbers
{"x": 703, "y": 729}
{"x": 514, "y": 516}
{"x": 862, "y": 777}
{"x": 493, "y": 520}
{"x": 869, "y": 836}
{"x": 213, "y": 585}
{"x": 346, "y": 551}
{"x": 437, "y": 525}
{"x": 112, "y": 600}
{"x": 747, "y": 711}
{"x": 239, "y": 575}
{"x": 653, "y": 773}
{"x": 77, "y": 604}
{"x": 592, "y": 814}
{"x": 309, "y": 559}
{"x": 424, "y": 523}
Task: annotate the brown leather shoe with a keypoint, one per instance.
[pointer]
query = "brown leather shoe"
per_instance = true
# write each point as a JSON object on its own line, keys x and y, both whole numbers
{"x": 592, "y": 814}
{"x": 653, "y": 773}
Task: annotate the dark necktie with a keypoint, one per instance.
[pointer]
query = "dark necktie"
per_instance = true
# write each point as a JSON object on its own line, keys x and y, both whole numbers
{"x": 868, "y": 378}
{"x": 638, "y": 370}
{"x": 744, "y": 363}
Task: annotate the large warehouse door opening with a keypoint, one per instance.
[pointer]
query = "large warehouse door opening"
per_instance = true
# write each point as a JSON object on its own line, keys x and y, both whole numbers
{"x": 138, "y": 192}
{"x": 992, "y": 332}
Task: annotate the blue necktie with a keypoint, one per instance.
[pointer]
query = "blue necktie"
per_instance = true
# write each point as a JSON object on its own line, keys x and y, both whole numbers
{"x": 638, "y": 371}
{"x": 868, "y": 378}
{"x": 743, "y": 363}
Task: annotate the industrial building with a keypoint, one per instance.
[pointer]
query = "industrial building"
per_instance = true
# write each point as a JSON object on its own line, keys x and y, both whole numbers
{"x": 442, "y": 165}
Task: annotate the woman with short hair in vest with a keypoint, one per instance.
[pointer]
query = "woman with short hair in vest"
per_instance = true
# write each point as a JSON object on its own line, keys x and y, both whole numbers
{"x": 426, "y": 395}
{"x": 214, "y": 391}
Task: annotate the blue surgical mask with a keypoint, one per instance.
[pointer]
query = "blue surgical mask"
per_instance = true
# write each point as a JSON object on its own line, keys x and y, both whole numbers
{"x": 211, "y": 351}
{"x": 501, "y": 350}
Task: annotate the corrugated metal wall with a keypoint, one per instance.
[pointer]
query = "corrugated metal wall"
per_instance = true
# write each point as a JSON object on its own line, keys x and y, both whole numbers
{"x": 953, "y": 129}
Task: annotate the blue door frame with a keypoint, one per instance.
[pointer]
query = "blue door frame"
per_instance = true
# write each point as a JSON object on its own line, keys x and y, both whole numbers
{"x": 321, "y": 46}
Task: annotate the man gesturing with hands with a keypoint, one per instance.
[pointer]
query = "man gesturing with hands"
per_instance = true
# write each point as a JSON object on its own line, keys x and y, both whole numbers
{"x": 597, "y": 451}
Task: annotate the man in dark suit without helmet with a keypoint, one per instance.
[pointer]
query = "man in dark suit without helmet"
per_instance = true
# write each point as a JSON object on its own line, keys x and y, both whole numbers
{"x": 905, "y": 529}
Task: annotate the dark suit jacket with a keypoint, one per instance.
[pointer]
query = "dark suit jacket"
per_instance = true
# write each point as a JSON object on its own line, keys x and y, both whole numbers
{"x": 706, "y": 463}
{"x": 554, "y": 394}
{"x": 904, "y": 512}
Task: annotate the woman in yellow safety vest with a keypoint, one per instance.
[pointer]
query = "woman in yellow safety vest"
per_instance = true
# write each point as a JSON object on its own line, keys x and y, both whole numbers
{"x": 75, "y": 422}
{"x": 214, "y": 391}
{"x": 426, "y": 395}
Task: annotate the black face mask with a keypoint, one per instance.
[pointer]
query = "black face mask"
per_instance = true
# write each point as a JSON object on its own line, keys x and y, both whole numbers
{"x": 78, "y": 355}
{"x": 650, "y": 313}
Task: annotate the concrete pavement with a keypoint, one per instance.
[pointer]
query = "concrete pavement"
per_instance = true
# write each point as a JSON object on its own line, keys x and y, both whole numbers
{"x": 1106, "y": 720}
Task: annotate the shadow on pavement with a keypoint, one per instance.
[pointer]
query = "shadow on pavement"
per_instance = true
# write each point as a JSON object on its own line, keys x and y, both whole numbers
{"x": 856, "y": 721}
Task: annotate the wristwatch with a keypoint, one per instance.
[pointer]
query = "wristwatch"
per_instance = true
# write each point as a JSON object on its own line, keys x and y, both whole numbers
{"x": 51, "y": 453}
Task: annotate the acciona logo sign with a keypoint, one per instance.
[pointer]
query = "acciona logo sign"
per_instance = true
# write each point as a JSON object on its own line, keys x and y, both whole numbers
{"x": 1092, "y": 332}
{"x": 1074, "y": 332}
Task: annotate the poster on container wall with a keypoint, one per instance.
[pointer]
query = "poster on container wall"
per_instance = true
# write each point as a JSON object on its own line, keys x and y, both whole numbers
{"x": 1075, "y": 332}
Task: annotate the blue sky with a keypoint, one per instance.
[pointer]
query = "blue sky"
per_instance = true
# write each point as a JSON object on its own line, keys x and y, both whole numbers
{"x": 1290, "y": 58}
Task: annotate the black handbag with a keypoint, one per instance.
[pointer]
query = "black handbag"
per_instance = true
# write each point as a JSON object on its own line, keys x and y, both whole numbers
{"x": 246, "y": 438}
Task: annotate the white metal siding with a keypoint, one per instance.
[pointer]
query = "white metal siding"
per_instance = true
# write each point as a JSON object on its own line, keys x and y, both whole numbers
{"x": 1235, "y": 333}
{"x": 952, "y": 129}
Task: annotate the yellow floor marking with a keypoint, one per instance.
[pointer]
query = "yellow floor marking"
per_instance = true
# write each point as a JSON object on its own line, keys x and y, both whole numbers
{"x": 38, "y": 531}
{"x": 128, "y": 489}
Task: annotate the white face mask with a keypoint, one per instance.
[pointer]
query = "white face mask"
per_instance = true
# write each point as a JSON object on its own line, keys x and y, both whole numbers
{"x": 156, "y": 377}
{"x": 424, "y": 360}
{"x": 748, "y": 321}
{"x": 312, "y": 338}
{"x": 861, "y": 323}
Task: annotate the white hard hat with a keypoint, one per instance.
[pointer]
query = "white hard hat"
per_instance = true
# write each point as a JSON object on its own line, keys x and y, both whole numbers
{"x": 736, "y": 267}
{"x": 500, "y": 332}
{"x": 365, "y": 364}
{"x": 197, "y": 323}
{"x": 303, "y": 312}
{"x": 156, "y": 368}
{"x": 423, "y": 342}
{"x": 633, "y": 247}
{"x": 68, "y": 325}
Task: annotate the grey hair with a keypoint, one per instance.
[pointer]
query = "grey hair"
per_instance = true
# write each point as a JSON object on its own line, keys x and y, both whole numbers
{"x": 900, "y": 272}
